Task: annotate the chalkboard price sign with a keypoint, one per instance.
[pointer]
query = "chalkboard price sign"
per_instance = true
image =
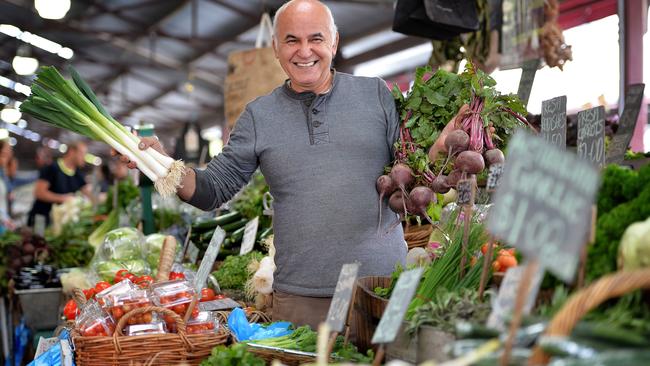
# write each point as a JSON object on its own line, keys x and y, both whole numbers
{"x": 528, "y": 72}
{"x": 621, "y": 140}
{"x": 399, "y": 301}
{"x": 543, "y": 204}
{"x": 504, "y": 304}
{"x": 465, "y": 189}
{"x": 338, "y": 311}
{"x": 554, "y": 121}
{"x": 591, "y": 135}
{"x": 208, "y": 258}
{"x": 494, "y": 175}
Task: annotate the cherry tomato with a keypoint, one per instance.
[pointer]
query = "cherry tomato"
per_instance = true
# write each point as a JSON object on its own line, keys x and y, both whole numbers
{"x": 176, "y": 276}
{"x": 89, "y": 293}
{"x": 117, "y": 312}
{"x": 121, "y": 272}
{"x": 207, "y": 294}
{"x": 195, "y": 312}
{"x": 145, "y": 278}
{"x": 130, "y": 276}
{"x": 219, "y": 297}
{"x": 178, "y": 309}
{"x": 70, "y": 310}
{"x": 101, "y": 286}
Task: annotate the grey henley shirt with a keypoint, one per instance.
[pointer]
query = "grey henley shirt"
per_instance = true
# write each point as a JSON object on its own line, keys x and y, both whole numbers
{"x": 321, "y": 156}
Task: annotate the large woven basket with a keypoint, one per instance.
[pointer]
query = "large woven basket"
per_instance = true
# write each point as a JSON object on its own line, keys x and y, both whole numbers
{"x": 417, "y": 235}
{"x": 368, "y": 309}
{"x": 159, "y": 349}
{"x": 608, "y": 287}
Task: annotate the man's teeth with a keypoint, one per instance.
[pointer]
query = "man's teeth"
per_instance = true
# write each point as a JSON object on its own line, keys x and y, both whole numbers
{"x": 307, "y": 64}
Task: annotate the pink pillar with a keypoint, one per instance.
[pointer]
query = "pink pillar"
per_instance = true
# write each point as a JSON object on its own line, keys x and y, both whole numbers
{"x": 633, "y": 20}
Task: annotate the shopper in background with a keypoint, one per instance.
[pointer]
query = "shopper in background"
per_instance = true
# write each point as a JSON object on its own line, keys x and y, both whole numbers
{"x": 43, "y": 157}
{"x": 59, "y": 181}
{"x": 321, "y": 140}
{"x": 6, "y": 154}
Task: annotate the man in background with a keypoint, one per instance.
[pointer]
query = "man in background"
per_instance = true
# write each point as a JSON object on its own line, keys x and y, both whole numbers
{"x": 59, "y": 181}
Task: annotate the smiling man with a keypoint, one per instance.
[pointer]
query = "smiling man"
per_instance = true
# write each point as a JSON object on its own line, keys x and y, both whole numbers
{"x": 321, "y": 140}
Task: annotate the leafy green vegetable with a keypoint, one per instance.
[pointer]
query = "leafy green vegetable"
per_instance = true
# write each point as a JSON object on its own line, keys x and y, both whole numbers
{"x": 235, "y": 355}
{"x": 233, "y": 272}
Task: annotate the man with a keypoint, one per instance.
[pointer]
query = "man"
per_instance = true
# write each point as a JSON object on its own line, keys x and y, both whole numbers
{"x": 321, "y": 140}
{"x": 59, "y": 181}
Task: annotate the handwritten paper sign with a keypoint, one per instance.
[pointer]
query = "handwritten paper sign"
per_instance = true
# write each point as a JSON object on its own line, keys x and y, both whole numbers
{"x": 543, "y": 205}
{"x": 554, "y": 121}
{"x": 399, "y": 301}
{"x": 250, "y": 233}
{"x": 591, "y": 135}
{"x": 338, "y": 311}
{"x": 494, "y": 175}
{"x": 528, "y": 72}
{"x": 504, "y": 304}
{"x": 621, "y": 140}
{"x": 465, "y": 190}
{"x": 208, "y": 258}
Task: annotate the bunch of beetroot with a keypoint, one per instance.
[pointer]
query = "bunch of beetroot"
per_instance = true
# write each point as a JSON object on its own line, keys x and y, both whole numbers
{"x": 411, "y": 184}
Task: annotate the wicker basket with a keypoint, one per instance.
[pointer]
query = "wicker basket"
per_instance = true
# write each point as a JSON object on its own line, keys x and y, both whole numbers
{"x": 608, "y": 287}
{"x": 157, "y": 349}
{"x": 369, "y": 308}
{"x": 417, "y": 235}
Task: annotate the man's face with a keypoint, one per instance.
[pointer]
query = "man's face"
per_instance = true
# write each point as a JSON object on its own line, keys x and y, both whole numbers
{"x": 304, "y": 46}
{"x": 80, "y": 155}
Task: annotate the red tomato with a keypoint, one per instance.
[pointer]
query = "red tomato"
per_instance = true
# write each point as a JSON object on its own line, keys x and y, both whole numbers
{"x": 176, "y": 276}
{"x": 89, "y": 293}
{"x": 101, "y": 286}
{"x": 195, "y": 312}
{"x": 130, "y": 276}
{"x": 117, "y": 312}
{"x": 70, "y": 310}
{"x": 121, "y": 272}
{"x": 145, "y": 278}
{"x": 219, "y": 297}
{"x": 207, "y": 294}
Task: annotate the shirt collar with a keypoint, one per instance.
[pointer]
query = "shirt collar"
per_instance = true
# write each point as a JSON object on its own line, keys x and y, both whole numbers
{"x": 308, "y": 94}
{"x": 67, "y": 171}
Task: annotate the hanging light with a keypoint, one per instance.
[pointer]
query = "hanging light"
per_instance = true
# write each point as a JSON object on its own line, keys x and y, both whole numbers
{"x": 10, "y": 114}
{"x": 52, "y": 9}
{"x": 23, "y": 63}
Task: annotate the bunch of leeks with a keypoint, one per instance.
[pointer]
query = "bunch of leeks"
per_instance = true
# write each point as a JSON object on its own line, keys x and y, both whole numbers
{"x": 72, "y": 105}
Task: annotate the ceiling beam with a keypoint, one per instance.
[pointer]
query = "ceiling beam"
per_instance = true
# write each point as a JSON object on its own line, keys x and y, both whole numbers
{"x": 346, "y": 65}
{"x": 146, "y": 102}
{"x": 237, "y": 9}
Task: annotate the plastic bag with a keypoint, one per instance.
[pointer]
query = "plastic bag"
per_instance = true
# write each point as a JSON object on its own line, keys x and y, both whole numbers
{"x": 245, "y": 331}
{"x": 123, "y": 248}
{"x": 53, "y": 356}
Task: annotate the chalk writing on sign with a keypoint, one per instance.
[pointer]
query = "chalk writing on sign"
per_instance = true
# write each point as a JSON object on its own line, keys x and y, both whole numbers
{"x": 465, "y": 189}
{"x": 621, "y": 139}
{"x": 554, "y": 121}
{"x": 338, "y": 311}
{"x": 494, "y": 175}
{"x": 591, "y": 135}
{"x": 543, "y": 203}
{"x": 399, "y": 301}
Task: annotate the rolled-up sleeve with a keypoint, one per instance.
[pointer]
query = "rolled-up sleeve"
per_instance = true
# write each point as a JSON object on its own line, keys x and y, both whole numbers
{"x": 229, "y": 171}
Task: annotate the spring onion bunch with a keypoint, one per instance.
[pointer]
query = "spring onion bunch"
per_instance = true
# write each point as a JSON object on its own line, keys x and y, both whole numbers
{"x": 72, "y": 105}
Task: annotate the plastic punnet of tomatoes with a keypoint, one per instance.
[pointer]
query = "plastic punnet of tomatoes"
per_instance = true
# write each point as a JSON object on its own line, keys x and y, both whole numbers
{"x": 157, "y": 327}
{"x": 122, "y": 304}
{"x": 107, "y": 296}
{"x": 176, "y": 296}
{"x": 203, "y": 323}
{"x": 94, "y": 322}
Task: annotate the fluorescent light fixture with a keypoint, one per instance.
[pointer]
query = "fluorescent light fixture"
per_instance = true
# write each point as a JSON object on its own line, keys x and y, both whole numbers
{"x": 37, "y": 41}
{"x": 52, "y": 9}
{"x": 370, "y": 42}
{"x": 407, "y": 59}
{"x": 3, "y": 133}
{"x": 15, "y": 86}
{"x": 10, "y": 114}
{"x": 22, "y": 123}
{"x": 12, "y": 141}
{"x": 211, "y": 133}
{"x": 4, "y": 99}
{"x": 63, "y": 148}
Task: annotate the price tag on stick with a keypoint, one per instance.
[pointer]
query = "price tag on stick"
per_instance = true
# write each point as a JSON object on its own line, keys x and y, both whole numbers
{"x": 504, "y": 304}
{"x": 528, "y": 72}
{"x": 591, "y": 135}
{"x": 466, "y": 191}
{"x": 626, "y": 124}
{"x": 208, "y": 259}
{"x": 554, "y": 121}
{"x": 250, "y": 233}
{"x": 337, "y": 315}
{"x": 543, "y": 204}
{"x": 494, "y": 175}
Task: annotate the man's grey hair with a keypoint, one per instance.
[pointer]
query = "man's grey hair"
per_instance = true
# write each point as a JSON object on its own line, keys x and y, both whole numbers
{"x": 332, "y": 24}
